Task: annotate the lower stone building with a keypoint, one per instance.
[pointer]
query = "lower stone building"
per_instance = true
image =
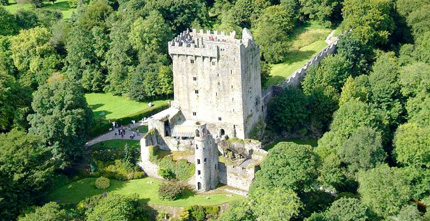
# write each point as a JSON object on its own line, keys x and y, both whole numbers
{"x": 217, "y": 159}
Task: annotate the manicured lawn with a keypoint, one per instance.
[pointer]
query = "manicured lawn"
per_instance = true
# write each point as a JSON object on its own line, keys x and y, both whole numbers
{"x": 307, "y": 41}
{"x": 116, "y": 107}
{"x": 143, "y": 129}
{"x": 81, "y": 189}
{"x": 62, "y": 5}
{"x": 116, "y": 144}
{"x": 311, "y": 142}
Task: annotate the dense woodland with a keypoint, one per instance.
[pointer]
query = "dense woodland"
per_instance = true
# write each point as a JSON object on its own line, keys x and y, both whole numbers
{"x": 369, "y": 104}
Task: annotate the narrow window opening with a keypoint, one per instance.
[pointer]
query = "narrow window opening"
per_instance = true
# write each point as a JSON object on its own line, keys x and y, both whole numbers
{"x": 197, "y": 147}
{"x": 198, "y": 172}
{"x": 196, "y": 91}
{"x": 204, "y": 160}
{"x": 198, "y": 161}
{"x": 192, "y": 61}
{"x": 219, "y": 118}
{"x": 194, "y": 113}
{"x": 194, "y": 78}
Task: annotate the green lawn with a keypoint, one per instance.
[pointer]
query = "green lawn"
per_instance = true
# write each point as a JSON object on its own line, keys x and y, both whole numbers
{"x": 116, "y": 107}
{"x": 116, "y": 144}
{"x": 143, "y": 129}
{"x": 307, "y": 41}
{"x": 62, "y": 5}
{"x": 312, "y": 142}
{"x": 81, "y": 189}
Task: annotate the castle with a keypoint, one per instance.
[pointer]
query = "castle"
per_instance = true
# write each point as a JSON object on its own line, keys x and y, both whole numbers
{"x": 217, "y": 96}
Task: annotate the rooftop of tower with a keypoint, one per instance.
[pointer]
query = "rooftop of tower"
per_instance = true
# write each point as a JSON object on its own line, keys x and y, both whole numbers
{"x": 199, "y": 39}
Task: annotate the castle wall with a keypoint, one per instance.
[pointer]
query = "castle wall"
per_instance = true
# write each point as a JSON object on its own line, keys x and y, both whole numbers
{"x": 298, "y": 75}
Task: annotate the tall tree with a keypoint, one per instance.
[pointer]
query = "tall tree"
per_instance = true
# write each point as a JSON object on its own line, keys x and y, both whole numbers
{"x": 49, "y": 212}
{"x": 412, "y": 144}
{"x": 325, "y": 11}
{"x": 26, "y": 169}
{"x": 62, "y": 119}
{"x": 7, "y": 23}
{"x": 288, "y": 165}
{"x": 370, "y": 21}
{"x": 34, "y": 56}
{"x": 384, "y": 190}
{"x": 271, "y": 33}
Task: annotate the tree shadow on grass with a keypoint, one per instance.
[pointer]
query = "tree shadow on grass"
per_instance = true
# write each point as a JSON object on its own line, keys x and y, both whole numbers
{"x": 63, "y": 6}
{"x": 274, "y": 80}
{"x": 187, "y": 193}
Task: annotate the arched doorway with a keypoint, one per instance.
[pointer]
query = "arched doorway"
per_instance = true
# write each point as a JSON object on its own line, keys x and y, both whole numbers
{"x": 221, "y": 132}
{"x": 199, "y": 186}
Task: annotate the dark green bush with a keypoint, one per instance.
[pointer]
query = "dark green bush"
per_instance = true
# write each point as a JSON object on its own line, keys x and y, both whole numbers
{"x": 171, "y": 190}
{"x": 121, "y": 171}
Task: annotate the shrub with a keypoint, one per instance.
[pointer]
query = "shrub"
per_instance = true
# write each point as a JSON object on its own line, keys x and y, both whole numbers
{"x": 181, "y": 170}
{"x": 120, "y": 171}
{"x": 212, "y": 211}
{"x": 197, "y": 213}
{"x": 102, "y": 183}
{"x": 170, "y": 190}
{"x": 153, "y": 153}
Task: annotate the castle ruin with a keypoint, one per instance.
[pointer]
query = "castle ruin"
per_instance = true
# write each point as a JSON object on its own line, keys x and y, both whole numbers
{"x": 217, "y": 96}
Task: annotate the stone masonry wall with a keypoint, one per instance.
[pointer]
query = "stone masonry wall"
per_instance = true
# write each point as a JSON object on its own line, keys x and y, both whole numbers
{"x": 297, "y": 76}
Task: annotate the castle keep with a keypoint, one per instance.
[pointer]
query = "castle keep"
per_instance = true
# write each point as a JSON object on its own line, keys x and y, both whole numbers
{"x": 217, "y": 80}
{"x": 217, "y": 95}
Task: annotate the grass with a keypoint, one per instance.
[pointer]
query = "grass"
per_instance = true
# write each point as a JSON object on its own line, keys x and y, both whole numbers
{"x": 307, "y": 41}
{"x": 311, "y": 142}
{"x": 116, "y": 107}
{"x": 116, "y": 144}
{"x": 143, "y": 129}
{"x": 62, "y": 5}
{"x": 76, "y": 191}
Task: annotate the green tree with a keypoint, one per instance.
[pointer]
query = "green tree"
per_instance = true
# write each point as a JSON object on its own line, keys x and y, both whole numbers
{"x": 95, "y": 14}
{"x": 288, "y": 111}
{"x": 271, "y": 30}
{"x": 325, "y": 11}
{"x": 48, "y": 17}
{"x": 26, "y": 169}
{"x": 238, "y": 210}
{"x": 422, "y": 48}
{"x": 62, "y": 119}
{"x": 370, "y": 21}
{"x": 165, "y": 79}
{"x": 418, "y": 109}
{"x": 14, "y": 101}
{"x": 384, "y": 190}
{"x": 411, "y": 213}
{"x": 405, "y": 7}
{"x": 120, "y": 58}
{"x": 7, "y": 23}
{"x": 412, "y": 144}
{"x": 385, "y": 87}
{"x": 83, "y": 61}
{"x": 150, "y": 34}
{"x": 26, "y": 19}
{"x": 6, "y": 61}
{"x": 116, "y": 207}
{"x": 344, "y": 209}
{"x": 363, "y": 150}
{"x": 332, "y": 71}
{"x": 323, "y": 102}
{"x": 414, "y": 79}
{"x": 34, "y": 56}
{"x": 419, "y": 21}
{"x": 355, "y": 89}
{"x": 48, "y": 212}
{"x": 275, "y": 203}
{"x": 359, "y": 54}
{"x": 288, "y": 165}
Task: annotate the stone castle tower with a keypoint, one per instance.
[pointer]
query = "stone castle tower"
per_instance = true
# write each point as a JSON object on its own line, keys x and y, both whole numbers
{"x": 217, "y": 81}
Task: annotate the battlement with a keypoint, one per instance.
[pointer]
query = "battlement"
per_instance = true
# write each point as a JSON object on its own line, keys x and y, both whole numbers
{"x": 206, "y": 43}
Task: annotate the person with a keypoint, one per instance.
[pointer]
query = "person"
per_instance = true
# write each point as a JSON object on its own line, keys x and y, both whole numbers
{"x": 122, "y": 135}
{"x": 115, "y": 133}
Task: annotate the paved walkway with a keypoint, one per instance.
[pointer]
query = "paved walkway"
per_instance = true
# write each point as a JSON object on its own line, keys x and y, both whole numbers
{"x": 330, "y": 39}
{"x": 111, "y": 134}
